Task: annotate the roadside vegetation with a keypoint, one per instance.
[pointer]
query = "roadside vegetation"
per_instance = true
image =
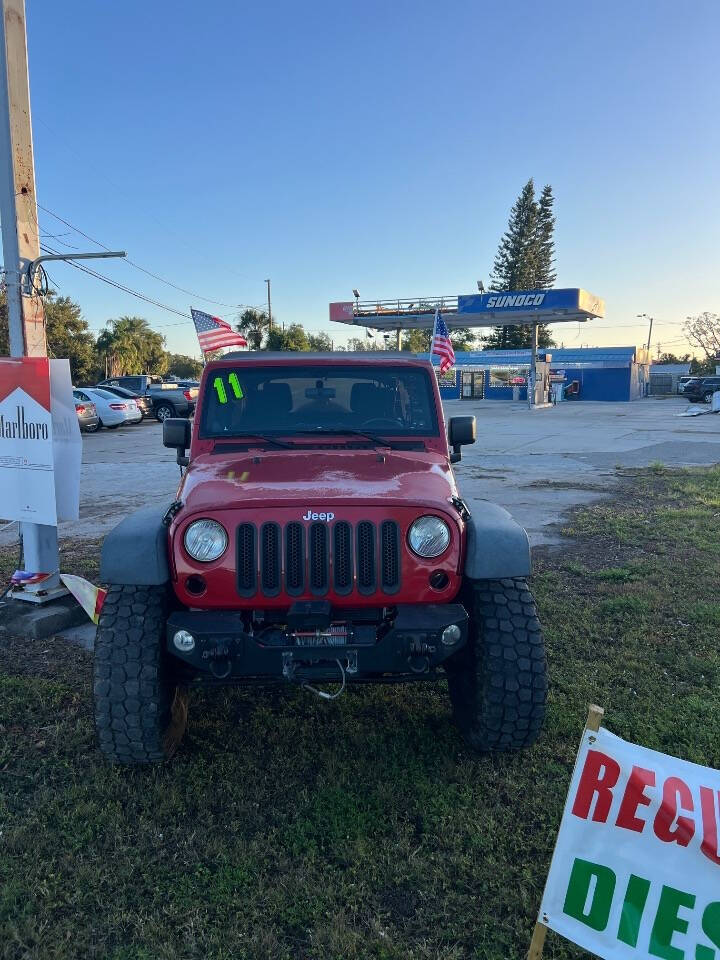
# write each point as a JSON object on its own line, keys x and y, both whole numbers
{"x": 291, "y": 828}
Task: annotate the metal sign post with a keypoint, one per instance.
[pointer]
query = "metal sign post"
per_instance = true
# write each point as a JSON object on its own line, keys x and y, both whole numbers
{"x": 532, "y": 373}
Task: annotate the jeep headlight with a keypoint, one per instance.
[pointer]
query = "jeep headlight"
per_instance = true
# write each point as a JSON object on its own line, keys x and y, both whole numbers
{"x": 205, "y": 540}
{"x": 429, "y": 536}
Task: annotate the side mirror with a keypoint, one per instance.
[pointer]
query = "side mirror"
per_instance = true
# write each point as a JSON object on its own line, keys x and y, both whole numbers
{"x": 461, "y": 431}
{"x": 176, "y": 436}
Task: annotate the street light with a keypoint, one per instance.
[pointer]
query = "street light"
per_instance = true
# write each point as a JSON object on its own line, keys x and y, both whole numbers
{"x": 481, "y": 286}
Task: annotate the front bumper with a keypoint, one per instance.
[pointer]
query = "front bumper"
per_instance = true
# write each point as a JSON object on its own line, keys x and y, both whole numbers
{"x": 408, "y": 647}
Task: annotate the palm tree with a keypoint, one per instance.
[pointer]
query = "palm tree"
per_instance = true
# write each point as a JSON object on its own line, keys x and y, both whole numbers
{"x": 132, "y": 346}
{"x": 253, "y": 324}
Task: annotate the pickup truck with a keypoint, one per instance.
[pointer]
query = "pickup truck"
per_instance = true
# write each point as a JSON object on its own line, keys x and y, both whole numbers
{"x": 168, "y": 399}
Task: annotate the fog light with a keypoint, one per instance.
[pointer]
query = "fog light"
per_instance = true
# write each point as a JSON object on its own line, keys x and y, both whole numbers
{"x": 439, "y": 580}
{"x": 186, "y": 641}
{"x": 451, "y": 634}
{"x": 195, "y": 585}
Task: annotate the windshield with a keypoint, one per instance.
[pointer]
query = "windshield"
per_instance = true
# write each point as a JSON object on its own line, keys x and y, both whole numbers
{"x": 392, "y": 401}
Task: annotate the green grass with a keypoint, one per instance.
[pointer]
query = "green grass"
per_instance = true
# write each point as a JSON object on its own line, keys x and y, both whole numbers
{"x": 291, "y": 828}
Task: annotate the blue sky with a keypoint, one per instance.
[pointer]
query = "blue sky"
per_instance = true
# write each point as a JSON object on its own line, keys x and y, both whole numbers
{"x": 379, "y": 145}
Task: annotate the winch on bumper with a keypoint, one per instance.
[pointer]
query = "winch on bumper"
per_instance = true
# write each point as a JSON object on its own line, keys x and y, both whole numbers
{"x": 308, "y": 646}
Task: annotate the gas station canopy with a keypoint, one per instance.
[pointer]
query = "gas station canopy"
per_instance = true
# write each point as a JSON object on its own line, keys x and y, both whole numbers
{"x": 509, "y": 308}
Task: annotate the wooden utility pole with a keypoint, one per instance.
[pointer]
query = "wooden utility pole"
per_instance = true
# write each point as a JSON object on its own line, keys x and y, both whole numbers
{"x": 21, "y": 239}
{"x": 269, "y": 307}
{"x": 18, "y": 206}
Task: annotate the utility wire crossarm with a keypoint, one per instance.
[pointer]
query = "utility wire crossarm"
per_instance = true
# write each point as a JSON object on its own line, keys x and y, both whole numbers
{"x": 34, "y": 264}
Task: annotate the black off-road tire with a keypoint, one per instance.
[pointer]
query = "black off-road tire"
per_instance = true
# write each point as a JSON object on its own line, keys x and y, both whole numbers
{"x": 140, "y": 714}
{"x": 498, "y": 682}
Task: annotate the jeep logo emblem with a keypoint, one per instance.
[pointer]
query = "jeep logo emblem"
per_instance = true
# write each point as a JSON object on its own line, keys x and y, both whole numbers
{"x": 327, "y": 517}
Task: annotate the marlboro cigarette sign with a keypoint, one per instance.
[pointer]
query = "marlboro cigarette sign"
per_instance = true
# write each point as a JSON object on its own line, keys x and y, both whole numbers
{"x": 40, "y": 446}
{"x": 27, "y": 480}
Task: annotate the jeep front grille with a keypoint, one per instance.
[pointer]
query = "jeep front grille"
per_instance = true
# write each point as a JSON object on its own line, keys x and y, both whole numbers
{"x": 301, "y": 560}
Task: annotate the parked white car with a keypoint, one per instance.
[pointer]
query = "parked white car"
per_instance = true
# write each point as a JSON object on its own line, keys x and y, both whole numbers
{"x": 111, "y": 409}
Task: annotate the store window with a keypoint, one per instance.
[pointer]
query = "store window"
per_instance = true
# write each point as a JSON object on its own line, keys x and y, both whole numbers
{"x": 447, "y": 379}
{"x": 508, "y": 376}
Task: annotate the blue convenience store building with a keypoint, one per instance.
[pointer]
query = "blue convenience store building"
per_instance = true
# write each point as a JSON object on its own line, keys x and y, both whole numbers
{"x": 582, "y": 373}
{"x": 589, "y": 373}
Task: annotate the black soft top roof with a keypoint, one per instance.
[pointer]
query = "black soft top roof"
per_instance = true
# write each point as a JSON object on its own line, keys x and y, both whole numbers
{"x": 300, "y": 356}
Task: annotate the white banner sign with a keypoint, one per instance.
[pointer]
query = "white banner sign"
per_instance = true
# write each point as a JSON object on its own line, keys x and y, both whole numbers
{"x": 636, "y": 869}
{"x": 67, "y": 442}
{"x": 40, "y": 446}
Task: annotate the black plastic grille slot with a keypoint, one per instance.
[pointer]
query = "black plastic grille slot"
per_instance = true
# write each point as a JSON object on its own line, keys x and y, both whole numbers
{"x": 246, "y": 560}
{"x": 319, "y": 558}
{"x": 390, "y": 553}
{"x": 342, "y": 557}
{"x": 366, "y": 577}
{"x": 270, "y": 553}
{"x": 294, "y": 558}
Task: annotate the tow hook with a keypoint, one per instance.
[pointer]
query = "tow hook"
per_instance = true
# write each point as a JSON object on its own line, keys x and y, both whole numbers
{"x": 420, "y": 653}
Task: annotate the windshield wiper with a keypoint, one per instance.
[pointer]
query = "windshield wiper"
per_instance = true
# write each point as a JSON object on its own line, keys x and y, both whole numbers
{"x": 373, "y": 438}
{"x": 258, "y": 436}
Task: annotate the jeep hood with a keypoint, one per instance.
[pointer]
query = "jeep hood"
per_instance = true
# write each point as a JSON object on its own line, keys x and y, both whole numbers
{"x": 316, "y": 478}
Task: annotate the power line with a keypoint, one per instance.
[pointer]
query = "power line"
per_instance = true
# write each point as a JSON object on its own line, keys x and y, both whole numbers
{"x": 137, "y": 266}
{"x": 118, "y": 286}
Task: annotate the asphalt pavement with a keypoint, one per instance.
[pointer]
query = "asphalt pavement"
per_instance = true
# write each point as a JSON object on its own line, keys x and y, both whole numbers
{"x": 537, "y": 464}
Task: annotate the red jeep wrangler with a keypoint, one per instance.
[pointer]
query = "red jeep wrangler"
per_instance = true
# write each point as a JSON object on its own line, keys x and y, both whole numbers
{"x": 317, "y": 537}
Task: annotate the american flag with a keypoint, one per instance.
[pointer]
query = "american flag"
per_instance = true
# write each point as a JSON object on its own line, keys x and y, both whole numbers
{"x": 441, "y": 345}
{"x": 214, "y": 333}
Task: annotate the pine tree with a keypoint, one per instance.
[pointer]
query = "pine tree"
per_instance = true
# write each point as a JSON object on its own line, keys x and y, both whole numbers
{"x": 524, "y": 261}
{"x": 514, "y": 267}
{"x": 544, "y": 243}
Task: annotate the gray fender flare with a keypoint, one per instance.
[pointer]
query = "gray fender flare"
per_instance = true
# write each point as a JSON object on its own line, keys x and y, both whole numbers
{"x": 497, "y": 546}
{"x": 135, "y": 552}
